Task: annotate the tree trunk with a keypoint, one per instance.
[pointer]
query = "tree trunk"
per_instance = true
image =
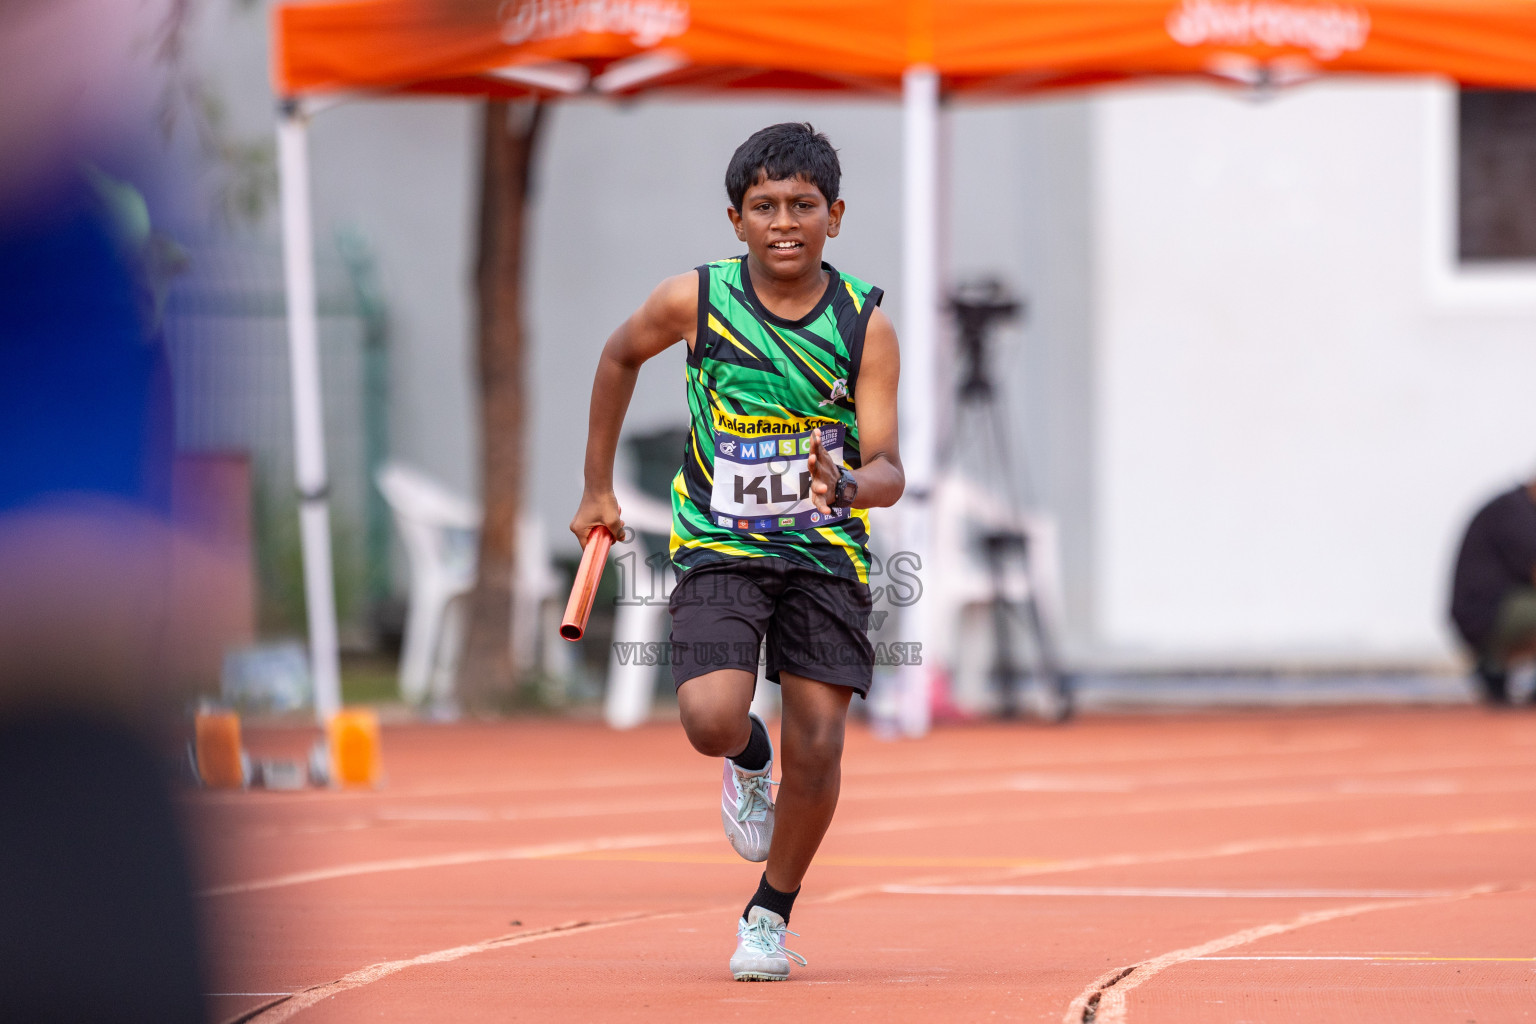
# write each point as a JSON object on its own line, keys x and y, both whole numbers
{"x": 487, "y": 680}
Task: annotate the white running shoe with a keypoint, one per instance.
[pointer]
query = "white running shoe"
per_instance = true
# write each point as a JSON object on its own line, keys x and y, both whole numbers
{"x": 746, "y": 807}
{"x": 760, "y": 954}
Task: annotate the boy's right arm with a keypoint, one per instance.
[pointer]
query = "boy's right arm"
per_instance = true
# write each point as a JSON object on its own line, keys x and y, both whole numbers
{"x": 669, "y": 314}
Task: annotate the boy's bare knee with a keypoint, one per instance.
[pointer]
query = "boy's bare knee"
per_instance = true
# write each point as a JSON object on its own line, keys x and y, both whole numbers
{"x": 711, "y": 742}
{"x": 714, "y": 734}
{"x": 713, "y": 709}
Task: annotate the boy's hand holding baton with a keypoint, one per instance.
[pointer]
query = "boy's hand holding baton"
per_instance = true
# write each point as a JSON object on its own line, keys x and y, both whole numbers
{"x": 598, "y": 521}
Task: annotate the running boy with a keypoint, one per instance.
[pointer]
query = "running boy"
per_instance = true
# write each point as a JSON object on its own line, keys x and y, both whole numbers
{"x": 791, "y": 380}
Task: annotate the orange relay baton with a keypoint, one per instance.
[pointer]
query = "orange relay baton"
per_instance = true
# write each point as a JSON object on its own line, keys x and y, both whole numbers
{"x": 594, "y": 556}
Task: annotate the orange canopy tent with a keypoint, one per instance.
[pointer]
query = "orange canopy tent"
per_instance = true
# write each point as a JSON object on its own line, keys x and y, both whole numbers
{"x": 976, "y": 46}
{"x": 917, "y": 49}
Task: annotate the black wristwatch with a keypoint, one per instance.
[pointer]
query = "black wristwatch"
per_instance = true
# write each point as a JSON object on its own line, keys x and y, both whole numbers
{"x": 846, "y": 490}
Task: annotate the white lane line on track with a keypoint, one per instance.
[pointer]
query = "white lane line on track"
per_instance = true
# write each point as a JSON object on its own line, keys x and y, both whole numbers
{"x": 633, "y": 842}
{"x": 1360, "y": 780}
{"x": 407, "y": 816}
{"x": 305, "y": 998}
{"x": 927, "y": 767}
{"x": 1361, "y": 775}
{"x": 541, "y": 812}
{"x": 212, "y": 797}
{"x": 1393, "y": 959}
{"x": 309, "y": 997}
{"x": 1153, "y": 805}
{"x": 1105, "y": 995}
{"x": 1158, "y": 893}
{"x": 1240, "y": 848}
{"x": 420, "y": 814}
{"x": 1117, "y": 860}
{"x": 444, "y": 860}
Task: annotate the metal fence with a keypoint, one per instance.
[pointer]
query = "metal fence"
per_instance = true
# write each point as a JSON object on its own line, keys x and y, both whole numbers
{"x": 226, "y": 339}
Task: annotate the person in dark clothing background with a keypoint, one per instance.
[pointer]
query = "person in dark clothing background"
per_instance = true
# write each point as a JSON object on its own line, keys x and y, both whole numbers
{"x": 1493, "y": 594}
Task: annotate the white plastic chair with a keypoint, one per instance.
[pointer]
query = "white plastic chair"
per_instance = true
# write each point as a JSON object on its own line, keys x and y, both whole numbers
{"x": 441, "y": 532}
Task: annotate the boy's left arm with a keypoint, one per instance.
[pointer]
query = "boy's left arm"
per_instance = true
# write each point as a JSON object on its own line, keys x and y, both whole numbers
{"x": 880, "y": 477}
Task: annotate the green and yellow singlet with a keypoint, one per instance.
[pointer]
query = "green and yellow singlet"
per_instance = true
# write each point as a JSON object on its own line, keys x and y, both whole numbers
{"x": 757, "y": 386}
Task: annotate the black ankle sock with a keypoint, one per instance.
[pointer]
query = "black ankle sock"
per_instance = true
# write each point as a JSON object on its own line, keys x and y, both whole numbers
{"x": 769, "y": 898}
{"x": 758, "y": 751}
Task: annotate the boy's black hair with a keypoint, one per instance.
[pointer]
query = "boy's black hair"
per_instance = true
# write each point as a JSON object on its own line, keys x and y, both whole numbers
{"x": 780, "y": 152}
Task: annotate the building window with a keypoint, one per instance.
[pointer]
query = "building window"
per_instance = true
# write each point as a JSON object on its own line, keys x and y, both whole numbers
{"x": 1496, "y": 188}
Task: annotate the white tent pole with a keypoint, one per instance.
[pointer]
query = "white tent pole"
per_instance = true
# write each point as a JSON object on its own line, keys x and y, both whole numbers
{"x": 919, "y": 368}
{"x": 308, "y": 417}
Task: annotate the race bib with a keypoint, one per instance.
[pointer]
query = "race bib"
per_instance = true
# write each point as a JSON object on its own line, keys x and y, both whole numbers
{"x": 763, "y": 484}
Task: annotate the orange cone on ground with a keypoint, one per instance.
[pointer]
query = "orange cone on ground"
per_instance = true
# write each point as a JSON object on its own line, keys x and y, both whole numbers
{"x": 356, "y": 759}
{"x": 220, "y": 763}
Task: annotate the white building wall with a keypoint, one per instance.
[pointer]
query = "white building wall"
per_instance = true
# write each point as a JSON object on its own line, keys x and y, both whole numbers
{"x": 1293, "y": 422}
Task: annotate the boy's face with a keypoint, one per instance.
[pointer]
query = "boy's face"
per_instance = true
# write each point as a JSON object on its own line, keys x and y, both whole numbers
{"x": 786, "y": 224}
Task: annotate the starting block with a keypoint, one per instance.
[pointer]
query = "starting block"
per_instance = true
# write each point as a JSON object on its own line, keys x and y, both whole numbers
{"x": 219, "y": 759}
{"x": 347, "y": 755}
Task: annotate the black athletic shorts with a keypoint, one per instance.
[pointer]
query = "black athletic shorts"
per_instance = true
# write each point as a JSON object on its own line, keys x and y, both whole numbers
{"x": 816, "y": 623}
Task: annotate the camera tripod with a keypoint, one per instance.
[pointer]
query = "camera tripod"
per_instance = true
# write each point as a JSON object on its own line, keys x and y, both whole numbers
{"x": 979, "y": 427}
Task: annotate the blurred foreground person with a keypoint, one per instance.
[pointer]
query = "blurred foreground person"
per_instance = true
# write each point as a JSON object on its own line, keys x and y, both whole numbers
{"x": 96, "y": 915}
{"x": 97, "y": 920}
{"x": 1493, "y": 596}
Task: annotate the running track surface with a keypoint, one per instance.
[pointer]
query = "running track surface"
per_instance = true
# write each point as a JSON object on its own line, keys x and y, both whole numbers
{"x": 1282, "y": 866}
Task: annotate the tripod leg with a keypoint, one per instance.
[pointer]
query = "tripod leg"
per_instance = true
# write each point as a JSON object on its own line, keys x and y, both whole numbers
{"x": 1005, "y": 670}
{"x": 1056, "y": 687}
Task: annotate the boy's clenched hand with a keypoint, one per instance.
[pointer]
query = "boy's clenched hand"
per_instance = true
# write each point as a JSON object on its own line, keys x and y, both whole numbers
{"x": 598, "y": 509}
{"x": 824, "y": 474}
